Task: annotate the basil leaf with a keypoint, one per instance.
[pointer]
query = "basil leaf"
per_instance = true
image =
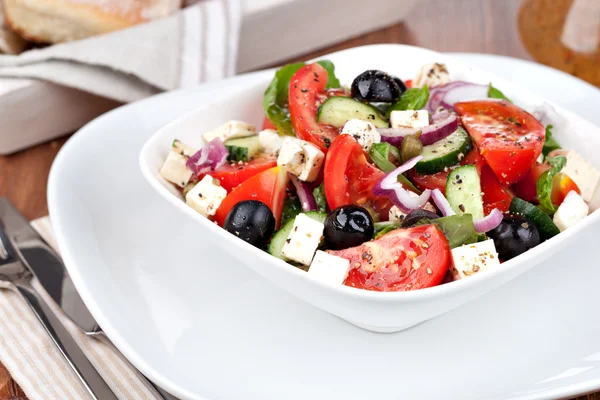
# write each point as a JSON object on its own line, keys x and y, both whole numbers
{"x": 550, "y": 143}
{"x": 379, "y": 153}
{"x": 459, "y": 229}
{"x": 494, "y": 93}
{"x": 291, "y": 208}
{"x": 411, "y": 99}
{"x": 275, "y": 100}
{"x": 319, "y": 193}
{"x": 544, "y": 184}
{"x": 332, "y": 80}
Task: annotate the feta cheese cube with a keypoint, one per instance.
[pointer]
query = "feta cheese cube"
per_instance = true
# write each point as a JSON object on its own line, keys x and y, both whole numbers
{"x": 328, "y": 268}
{"x": 303, "y": 239}
{"x": 181, "y": 148}
{"x": 572, "y": 210}
{"x": 397, "y": 215}
{"x": 230, "y": 130}
{"x": 471, "y": 259}
{"x": 432, "y": 75}
{"x": 270, "y": 141}
{"x": 409, "y": 119}
{"x": 301, "y": 159}
{"x": 582, "y": 172}
{"x": 364, "y": 132}
{"x": 174, "y": 169}
{"x": 206, "y": 196}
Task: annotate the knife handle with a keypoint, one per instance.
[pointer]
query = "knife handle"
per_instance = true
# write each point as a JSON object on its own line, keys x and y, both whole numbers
{"x": 77, "y": 360}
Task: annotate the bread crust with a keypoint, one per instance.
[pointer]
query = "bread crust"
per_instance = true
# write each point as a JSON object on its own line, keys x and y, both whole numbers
{"x": 56, "y": 21}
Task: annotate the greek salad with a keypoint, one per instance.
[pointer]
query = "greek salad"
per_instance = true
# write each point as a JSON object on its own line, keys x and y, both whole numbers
{"x": 388, "y": 184}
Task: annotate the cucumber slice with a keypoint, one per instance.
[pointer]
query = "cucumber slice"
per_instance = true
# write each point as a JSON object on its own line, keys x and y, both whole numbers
{"x": 282, "y": 234}
{"x": 444, "y": 153}
{"x": 336, "y": 111}
{"x": 544, "y": 223}
{"x": 463, "y": 191}
{"x": 242, "y": 149}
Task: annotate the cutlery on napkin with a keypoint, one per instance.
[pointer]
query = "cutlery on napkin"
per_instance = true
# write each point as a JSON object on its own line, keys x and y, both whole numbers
{"x": 36, "y": 364}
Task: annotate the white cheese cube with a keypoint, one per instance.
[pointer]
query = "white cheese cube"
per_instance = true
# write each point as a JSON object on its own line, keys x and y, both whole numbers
{"x": 471, "y": 259}
{"x": 328, "y": 268}
{"x": 396, "y": 215}
{"x": 572, "y": 210}
{"x": 174, "y": 169}
{"x": 432, "y": 75}
{"x": 301, "y": 159}
{"x": 270, "y": 141}
{"x": 409, "y": 119}
{"x": 181, "y": 148}
{"x": 364, "y": 132}
{"x": 582, "y": 172}
{"x": 206, "y": 196}
{"x": 303, "y": 240}
{"x": 231, "y": 130}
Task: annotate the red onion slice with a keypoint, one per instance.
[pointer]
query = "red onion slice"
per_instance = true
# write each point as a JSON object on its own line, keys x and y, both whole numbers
{"x": 305, "y": 195}
{"x": 402, "y": 198}
{"x": 429, "y": 134}
{"x": 442, "y": 203}
{"x": 447, "y": 95}
{"x": 489, "y": 222}
{"x": 210, "y": 157}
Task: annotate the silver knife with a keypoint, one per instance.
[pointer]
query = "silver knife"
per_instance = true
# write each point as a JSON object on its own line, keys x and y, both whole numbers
{"x": 51, "y": 273}
{"x": 14, "y": 275}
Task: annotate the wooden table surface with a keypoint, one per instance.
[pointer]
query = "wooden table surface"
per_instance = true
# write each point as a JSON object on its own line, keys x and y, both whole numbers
{"x": 481, "y": 26}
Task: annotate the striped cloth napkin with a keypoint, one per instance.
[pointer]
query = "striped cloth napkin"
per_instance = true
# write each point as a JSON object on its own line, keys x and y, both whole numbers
{"x": 37, "y": 366}
{"x": 197, "y": 44}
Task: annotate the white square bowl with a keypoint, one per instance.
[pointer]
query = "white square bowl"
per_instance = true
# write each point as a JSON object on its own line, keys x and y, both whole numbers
{"x": 374, "y": 311}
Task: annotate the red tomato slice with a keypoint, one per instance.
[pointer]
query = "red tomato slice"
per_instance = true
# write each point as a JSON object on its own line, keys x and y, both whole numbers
{"x": 402, "y": 260}
{"x": 307, "y": 89}
{"x": 408, "y": 83}
{"x": 509, "y": 138}
{"x": 231, "y": 175}
{"x": 562, "y": 184}
{"x": 267, "y": 124}
{"x": 349, "y": 177}
{"x": 268, "y": 186}
{"x": 431, "y": 181}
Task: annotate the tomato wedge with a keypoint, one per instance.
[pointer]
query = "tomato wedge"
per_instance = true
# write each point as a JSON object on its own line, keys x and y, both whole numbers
{"x": 562, "y": 184}
{"x": 402, "y": 260}
{"x": 509, "y": 138}
{"x": 307, "y": 89}
{"x": 268, "y": 186}
{"x": 430, "y": 181}
{"x": 231, "y": 175}
{"x": 349, "y": 177}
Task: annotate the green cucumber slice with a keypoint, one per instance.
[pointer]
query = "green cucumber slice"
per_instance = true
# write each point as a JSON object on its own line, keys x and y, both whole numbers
{"x": 444, "y": 153}
{"x": 279, "y": 237}
{"x": 544, "y": 223}
{"x": 336, "y": 111}
{"x": 463, "y": 191}
{"x": 242, "y": 149}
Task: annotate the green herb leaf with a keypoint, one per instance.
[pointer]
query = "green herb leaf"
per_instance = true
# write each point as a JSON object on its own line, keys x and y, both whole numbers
{"x": 550, "y": 143}
{"x": 494, "y": 93}
{"x": 319, "y": 193}
{"x": 544, "y": 184}
{"x": 380, "y": 155}
{"x": 381, "y": 228}
{"x": 411, "y": 99}
{"x": 291, "y": 208}
{"x": 459, "y": 229}
{"x": 275, "y": 100}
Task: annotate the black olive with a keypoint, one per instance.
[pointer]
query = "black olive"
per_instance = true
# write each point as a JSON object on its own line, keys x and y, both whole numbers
{"x": 413, "y": 217}
{"x": 252, "y": 221}
{"x": 400, "y": 84}
{"x": 515, "y": 235}
{"x": 376, "y": 86}
{"x": 348, "y": 226}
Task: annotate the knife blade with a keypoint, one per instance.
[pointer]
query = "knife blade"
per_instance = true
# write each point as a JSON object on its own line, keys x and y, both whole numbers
{"x": 51, "y": 273}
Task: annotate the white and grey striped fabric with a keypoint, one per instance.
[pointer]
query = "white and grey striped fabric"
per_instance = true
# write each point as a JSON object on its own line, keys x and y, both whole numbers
{"x": 197, "y": 44}
{"x": 37, "y": 366}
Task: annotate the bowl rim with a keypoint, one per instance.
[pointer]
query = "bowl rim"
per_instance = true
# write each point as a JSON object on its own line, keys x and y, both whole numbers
{"x": 525, "y": 260}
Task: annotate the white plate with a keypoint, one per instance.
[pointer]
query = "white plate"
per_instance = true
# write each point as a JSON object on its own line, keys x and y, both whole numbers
{"x": 374, "y": 311}
{"x": 234, "y": 335}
